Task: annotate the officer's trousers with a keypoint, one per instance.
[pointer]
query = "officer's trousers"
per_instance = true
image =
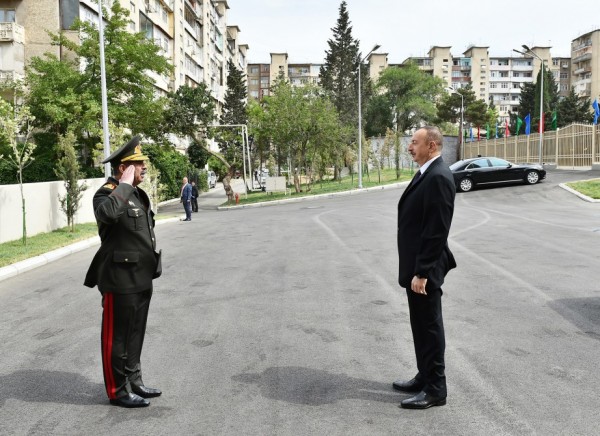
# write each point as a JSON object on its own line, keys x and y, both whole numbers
{"x": 124, "y": 319}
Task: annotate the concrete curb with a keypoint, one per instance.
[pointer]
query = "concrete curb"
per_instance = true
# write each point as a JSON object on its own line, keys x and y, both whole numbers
{"x": 315, "y": 197}
{"x": 577, "y": 193}
{"x": 43, "y": 259}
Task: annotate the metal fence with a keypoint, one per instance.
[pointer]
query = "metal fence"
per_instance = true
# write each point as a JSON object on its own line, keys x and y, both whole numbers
{"x": 573, "y": 146}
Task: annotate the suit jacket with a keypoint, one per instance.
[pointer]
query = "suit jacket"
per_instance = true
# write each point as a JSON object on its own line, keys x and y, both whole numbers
{"x": 127, "y": 260}
{"x": 186, "y": 193}
{"x": 424, "y": 216}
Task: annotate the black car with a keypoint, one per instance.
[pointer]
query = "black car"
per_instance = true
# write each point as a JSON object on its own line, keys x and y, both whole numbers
{"x": 469, "y": 173}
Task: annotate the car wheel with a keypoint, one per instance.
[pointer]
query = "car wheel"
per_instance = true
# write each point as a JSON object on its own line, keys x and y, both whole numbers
{"x": 532, "y": 177}
{"x": 465, "y": 185}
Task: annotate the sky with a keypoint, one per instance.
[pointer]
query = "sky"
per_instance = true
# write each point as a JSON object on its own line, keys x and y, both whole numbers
{"x": 406, "y": 28}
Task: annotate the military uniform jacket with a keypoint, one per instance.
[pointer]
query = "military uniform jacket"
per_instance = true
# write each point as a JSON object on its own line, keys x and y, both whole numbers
{"x": 127, "y": 260}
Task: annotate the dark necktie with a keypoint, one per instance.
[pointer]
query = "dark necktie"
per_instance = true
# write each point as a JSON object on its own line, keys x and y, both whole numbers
{"x": 415, "y": 178}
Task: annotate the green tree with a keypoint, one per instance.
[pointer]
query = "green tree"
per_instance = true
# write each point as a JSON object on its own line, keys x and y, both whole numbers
{"x": 411, "y": 94}
{"x": 16, "y": 128}
{"x": 339, "y": 73}
{"x": 477, "y": 113}
{"x": 573, "y": 109}
{"x": 379, "y": 116}
{"x": 198, "y": 154}
{"x": 303, "y": 123}
{"x": 65, "y": 94}
{"x": 234, "y": 112}
{"x": 67, "y": 168}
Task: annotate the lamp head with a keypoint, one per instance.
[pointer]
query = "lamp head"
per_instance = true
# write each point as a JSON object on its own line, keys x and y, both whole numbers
{"x": 526, "y": 47}
{"x": 376, "y": 47}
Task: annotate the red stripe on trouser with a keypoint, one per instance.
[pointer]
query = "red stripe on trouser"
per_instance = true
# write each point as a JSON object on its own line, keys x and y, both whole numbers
{"x": 107, "y": 340}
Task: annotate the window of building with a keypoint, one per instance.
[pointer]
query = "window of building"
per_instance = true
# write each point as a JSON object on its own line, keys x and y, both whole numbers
{"x": 564, "y": 75}
{"x": 493, "y": 85}
{"x": 503, "y": 73}
{"x": 7, "y": 15}
{"x": 132, "y": 25}
{"x": 493, "y": 74}
{"x": 131, "y": 8}
{"x": 504, "y": 85}
{"x": 516, "y": 74}
{"x": 254, "y": 82}
{"x": 254, "y": 94}
{"x": 253, "y": 70}
{"x": 527, "y": 75}
{"x": 516, "y": 85}
{"x": 146, "y": 26}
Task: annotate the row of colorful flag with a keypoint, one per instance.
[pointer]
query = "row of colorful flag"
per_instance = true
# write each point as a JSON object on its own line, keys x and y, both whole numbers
{"x": 527, "y": 122}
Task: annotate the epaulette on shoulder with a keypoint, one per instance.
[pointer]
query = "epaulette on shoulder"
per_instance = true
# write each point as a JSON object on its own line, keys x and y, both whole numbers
{"x": 110, "y": 186}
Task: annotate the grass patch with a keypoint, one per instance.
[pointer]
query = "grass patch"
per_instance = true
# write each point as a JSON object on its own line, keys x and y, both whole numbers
{"x": 347, "y": 183}
{"x": 15, "y": 251}
{"x": 591, "y": 188}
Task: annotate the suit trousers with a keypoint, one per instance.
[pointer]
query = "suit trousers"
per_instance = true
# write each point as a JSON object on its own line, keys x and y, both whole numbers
{"x": 429, "y": 340}
{"x": 187, "y": 206}
{"x": 124, "y": 320}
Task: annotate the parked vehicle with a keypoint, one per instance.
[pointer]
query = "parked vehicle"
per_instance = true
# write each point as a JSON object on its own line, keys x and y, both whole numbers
{"x": 469, "y": 173}
{"x": 212, "y": 179}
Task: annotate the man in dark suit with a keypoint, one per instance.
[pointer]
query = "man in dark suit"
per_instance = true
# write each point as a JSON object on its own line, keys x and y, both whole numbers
{"x": 123, "y": 268}
{"x": 194, "y": 197}
{"x": 186, "y": 199}
{"x": 424, "y": 217}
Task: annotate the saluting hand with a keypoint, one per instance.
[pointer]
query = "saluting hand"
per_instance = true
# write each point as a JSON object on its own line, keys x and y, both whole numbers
{"x": 128, "y": 174}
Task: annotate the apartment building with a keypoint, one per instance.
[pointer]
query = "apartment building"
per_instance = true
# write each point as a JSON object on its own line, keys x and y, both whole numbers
{"x": 261, "y": 76}
{"x": 192, "y": 34}
{"x": 496, "y": 80}
{"x": 585, "y": 64}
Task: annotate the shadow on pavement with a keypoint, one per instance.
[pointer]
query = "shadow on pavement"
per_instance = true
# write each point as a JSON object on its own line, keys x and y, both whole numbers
{"x": 41, "y": 386}
{"x": 587, "y": 309}
{"x": 314, "y": 387}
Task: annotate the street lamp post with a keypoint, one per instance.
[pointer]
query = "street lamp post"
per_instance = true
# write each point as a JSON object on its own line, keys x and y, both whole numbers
{"x": 462, "y": 113}
{"x": 360, "y": 117}
{"x": 529, "y": 51}
{"x": 103, "y": 90}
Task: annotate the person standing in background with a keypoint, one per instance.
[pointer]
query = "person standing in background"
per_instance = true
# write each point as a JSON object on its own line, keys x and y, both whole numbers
{"x": 194, "y": 197}
{"x": 186, "y": 199}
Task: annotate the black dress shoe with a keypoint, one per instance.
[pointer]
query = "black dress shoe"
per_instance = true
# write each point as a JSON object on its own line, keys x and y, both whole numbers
{"x": 408, "y": 386}
{"x": 423, "y": 400}
{"x": 131, "y": 400}
{"x": 146, "y": 392}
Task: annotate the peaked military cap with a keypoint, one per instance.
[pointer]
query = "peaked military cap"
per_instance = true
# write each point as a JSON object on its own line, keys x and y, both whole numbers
{"x": 130, "y": 152}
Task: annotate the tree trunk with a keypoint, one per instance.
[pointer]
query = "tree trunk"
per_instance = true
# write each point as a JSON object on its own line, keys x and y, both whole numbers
{"x": 23, "y": 206}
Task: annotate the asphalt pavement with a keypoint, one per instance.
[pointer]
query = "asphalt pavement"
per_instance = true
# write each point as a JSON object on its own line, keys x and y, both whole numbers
{"x": 288, "y": 320}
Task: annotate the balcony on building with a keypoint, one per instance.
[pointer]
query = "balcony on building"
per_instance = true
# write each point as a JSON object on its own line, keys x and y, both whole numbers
{"x": 11, "y": 32}
{"x": 582, "y": 57}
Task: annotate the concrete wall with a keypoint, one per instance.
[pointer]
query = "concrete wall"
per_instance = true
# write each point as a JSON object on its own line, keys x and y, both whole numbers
{"x": 42, "y": 208}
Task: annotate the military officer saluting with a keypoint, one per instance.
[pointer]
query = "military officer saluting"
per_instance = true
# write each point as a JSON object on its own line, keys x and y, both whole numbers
{"x": 123, "y": 269}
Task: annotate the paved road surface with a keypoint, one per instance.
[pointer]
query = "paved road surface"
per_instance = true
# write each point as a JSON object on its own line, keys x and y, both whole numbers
{"x": 288, "y": 320}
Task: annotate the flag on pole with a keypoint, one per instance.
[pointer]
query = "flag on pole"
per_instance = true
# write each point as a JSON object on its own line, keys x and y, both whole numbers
{"x": 478, "y": 133}
{"x": 519, "y": 124}
{"x": 554, "y": 124}
{"x": 487, "y": 131}
{"x": 496, "y": 129}
{"x": 543, "y": 122}
{"x": 471, "y": 134}
{"x": 528, "y": 124}
{"x": 506, "y": 129}
{"x": 596, "y": 111}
